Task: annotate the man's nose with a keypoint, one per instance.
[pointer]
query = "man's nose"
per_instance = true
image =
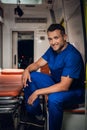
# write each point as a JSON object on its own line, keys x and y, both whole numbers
{"x": 53, "y": 41}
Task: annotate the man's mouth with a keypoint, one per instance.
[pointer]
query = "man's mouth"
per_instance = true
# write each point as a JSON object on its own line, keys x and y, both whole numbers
{"x": 54, "y": 45}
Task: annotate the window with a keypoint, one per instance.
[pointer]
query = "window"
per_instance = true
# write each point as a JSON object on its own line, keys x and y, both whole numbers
{"x": 21, "y": 1}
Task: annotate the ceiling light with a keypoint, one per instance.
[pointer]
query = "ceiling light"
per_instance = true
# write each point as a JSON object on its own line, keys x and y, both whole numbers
{"x": 18, "y": 11}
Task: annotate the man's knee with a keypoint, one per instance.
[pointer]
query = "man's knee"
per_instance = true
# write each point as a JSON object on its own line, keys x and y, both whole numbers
{"x": 36, "y": 75}
{"x": 33, "y": 75}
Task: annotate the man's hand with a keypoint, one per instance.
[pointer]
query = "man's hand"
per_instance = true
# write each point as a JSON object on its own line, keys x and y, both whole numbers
{"x": 32, "y": 98}
{"x": 25, "y": 77}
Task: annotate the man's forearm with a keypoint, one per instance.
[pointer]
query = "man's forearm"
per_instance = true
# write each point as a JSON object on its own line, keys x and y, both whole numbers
{"x": 32, "y": 67}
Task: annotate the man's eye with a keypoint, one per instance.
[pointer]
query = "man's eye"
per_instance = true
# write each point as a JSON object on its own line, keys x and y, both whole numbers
{"x": 56, "y": 37}
{"x": 49, "y": 39}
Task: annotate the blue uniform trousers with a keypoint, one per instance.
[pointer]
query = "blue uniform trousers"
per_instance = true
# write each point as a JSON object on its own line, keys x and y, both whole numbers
{"x": 57, "y": 102}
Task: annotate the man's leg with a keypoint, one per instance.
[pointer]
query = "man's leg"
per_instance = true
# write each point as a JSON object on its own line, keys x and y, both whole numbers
{"x": 39, "y": 80}
{"x": 59, "y": 101}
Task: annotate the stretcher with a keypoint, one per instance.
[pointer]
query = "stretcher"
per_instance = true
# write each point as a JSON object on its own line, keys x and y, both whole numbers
{"x": 10, "y": 95}
{"x": 12, "y": 98}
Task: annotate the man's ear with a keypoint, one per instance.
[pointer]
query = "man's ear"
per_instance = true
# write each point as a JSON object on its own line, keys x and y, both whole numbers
{"x": 65, "y": 37}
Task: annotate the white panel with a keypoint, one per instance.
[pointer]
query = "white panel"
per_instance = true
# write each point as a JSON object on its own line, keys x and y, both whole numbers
{"x": 73, "y": 121}
{"x": 74, "y": 24}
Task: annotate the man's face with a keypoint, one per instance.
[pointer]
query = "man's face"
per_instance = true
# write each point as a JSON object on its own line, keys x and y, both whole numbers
{"x": 57, "y": 40}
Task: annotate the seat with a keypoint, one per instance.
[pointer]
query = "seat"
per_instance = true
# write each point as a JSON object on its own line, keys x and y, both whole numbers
{"x": 10, "y": 95}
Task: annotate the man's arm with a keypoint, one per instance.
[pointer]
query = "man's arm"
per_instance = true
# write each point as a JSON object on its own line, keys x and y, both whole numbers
{"x": 63, "y": 85}
{"x": 36, "y": 65}
{"x": 32, "y": 67}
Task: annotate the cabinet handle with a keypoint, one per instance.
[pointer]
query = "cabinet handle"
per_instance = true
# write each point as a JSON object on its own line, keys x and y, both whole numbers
{"x": 14, "y": 59}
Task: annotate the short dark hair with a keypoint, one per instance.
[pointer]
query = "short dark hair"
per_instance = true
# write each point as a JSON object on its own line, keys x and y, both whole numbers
{"x": 56, "y": 26}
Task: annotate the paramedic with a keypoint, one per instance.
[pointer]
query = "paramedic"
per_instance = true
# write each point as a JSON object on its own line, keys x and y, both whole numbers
{"x": 65, "y": 84}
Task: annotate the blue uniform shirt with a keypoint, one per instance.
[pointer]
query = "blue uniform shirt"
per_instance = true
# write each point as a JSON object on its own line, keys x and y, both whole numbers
{"x": 66, "y": 63}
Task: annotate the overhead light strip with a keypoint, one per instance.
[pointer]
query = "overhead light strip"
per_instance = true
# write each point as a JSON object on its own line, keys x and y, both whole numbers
{"x": 31, "y": 20}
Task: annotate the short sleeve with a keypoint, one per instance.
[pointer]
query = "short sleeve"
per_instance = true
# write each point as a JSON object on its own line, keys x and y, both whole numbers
{"x": 73, "y": 66}
{"x": 46, "y": 55}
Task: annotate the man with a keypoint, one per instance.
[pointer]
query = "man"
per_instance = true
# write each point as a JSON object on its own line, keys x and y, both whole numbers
{"x": 65, "y": 85}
